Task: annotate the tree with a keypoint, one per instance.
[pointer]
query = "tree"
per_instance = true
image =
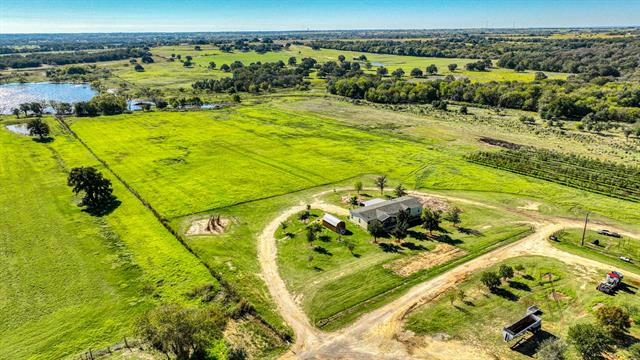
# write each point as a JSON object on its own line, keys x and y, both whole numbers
{"x": 212, "y": 65}
{"x": 520, "y": 68}
{"x": 25, "y": 108}
{"x": 398, "y": 73}
{"x": 432, "y": 69}
{"x": 375, "y": 228}
{"x": 452, "y": 67}
{"x": 292, "y": 61}
{"x": 416, "y": 72}
{"x": 591, "y": 341}
{"x": 236, "y": 98}
{"x": 453, "y": 216}
{"x": 540, "y": 76}
{"x": 464, "y": 110}
{"x": 402, "y": 224}
{"x": 614, "y": 320}
{"x": 138, "y": 68}
{"x": 353, "y": 201}
{"x": 357, "y": 186}
{"x": 341, "y": 58}
{"x": 225, "y": 68}
{"x": 16, "y": 112}
{"x": 505, "y": 272}
{"x": 350, "y": 245}
{"x": 186, "y": 333}
{"x": 381, "y": 181}
{"x": 36, "y": 107}
{"x": 382, "y": 71}
{"x": 146, "y": 59}
{"x": 627, "y": 131}
{"x": 109, "y": 104}
{"x": 430, "y": 220}
{"x": 37, "y": 127}
{"x": 97, "y": 189}
{"x": 551, "y": 349}
{"x": 399, "y": 191}
{"x": 311, "y": 235}
{"x": 490, "y": 279}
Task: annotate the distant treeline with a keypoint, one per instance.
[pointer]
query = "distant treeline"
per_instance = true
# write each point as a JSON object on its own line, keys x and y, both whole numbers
{"x": 257, "y": 77}
{"x": 591, "y": 56}
{"x": 552, "y": 99}
{"x": 64, "y": 58}
{"x": 581, "y": 172}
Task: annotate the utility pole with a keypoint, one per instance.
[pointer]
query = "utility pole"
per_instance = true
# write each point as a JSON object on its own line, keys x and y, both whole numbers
{"x": 584, "y": 231}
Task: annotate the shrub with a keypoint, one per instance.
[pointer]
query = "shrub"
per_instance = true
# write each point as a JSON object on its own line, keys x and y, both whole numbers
{"x": 590, "y": 341}
{"x": 634, "y": 351}
{"x": 614, "y": 320}
{"x": 552, "y": 349}
{"x": 490, "y": 279}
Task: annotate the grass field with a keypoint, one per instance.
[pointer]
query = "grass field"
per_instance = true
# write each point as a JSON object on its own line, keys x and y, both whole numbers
{"x": 478, "y": 319}
{"x": 608, "y": 250}
{"x": 173, "y": 75}
{"x": 333, "y": 285}
{"x": 72, "y": 281}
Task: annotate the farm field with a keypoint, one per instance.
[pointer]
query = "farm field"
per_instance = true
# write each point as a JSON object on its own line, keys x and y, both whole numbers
{"x": 75, "y": 281}
{"x": 330, "y": 280}
{"x": 472, "y": 317}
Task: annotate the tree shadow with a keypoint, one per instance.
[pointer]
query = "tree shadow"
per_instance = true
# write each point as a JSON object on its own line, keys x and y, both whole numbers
{"x": 390, "y": 248}
{"x": 461, "y": 309}
{"x": 530, "y": 346}
{"x": 317, "y": 268}
{"x": 448, "y": 240}
{"x": 420, "y": 236}
{"x": 103, "y": 209}
{"x": 519, "y": 286}
{"x": 411, "y": 246}
{"x": 468, "y": 303}
{"x": 323, "y": 251}
{"x": 628, "y": 340}
{"x": 505, "y": 294}
{"x": 324, "y": 238}
{"x": 44, "y": 140}
{"x": 469, "y": 231}
{"x": 527, "y": 277}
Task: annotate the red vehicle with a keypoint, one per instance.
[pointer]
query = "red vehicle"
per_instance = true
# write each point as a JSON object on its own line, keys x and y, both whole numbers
{"x": 611, "y": 283}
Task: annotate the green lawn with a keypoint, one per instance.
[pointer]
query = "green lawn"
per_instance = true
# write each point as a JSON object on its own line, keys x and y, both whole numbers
{"x": 479, "y": 318}
{"x": 72, "y": 281}
{"x": 335, "y": 285}
{"x": 608, "y": 250}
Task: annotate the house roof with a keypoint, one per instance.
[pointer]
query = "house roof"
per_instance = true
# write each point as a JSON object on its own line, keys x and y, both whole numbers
{"x": 373, "y": 202}
{"x": 384, "y": 210}
{"x": 331, "y": 219}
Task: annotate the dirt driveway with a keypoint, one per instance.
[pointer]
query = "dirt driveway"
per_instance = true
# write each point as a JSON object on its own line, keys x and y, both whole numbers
{"x": 375, "y": 334}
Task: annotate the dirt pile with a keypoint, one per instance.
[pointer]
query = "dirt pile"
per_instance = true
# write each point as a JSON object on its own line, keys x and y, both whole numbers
{"x": 214, "y": 225}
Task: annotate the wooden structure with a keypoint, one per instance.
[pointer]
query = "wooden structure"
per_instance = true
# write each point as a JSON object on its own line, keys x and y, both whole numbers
{"x": 334, "y": 224}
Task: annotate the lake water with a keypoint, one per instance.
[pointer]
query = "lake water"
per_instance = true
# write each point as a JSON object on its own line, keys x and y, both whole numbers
{"x": 18, "y": 129}
{"x": 12, "y": 95}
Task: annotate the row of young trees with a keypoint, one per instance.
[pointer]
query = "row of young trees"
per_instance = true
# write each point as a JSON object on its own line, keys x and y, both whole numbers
{"x": 582, "y": 172}
{"x": 562, "y": 100}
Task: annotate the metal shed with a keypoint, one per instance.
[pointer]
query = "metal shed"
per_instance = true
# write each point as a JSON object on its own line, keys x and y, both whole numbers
{"x": 334, "y": 224}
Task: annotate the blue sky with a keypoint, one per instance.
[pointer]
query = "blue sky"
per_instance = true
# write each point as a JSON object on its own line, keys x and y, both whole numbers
{"x": 29, "y": 16}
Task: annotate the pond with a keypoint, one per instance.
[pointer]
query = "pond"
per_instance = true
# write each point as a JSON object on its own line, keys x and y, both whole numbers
{"x": 12, "y": 95}
{"x": 18, "y": 129}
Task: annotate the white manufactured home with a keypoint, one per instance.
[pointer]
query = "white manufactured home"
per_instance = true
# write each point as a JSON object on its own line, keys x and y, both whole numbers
{"x": 386, "y": 211}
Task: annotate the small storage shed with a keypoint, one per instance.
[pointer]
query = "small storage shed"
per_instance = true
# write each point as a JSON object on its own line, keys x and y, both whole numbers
{"x": 334, "y": 224}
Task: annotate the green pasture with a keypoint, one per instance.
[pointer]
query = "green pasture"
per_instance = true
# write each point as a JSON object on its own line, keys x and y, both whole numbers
{"x": 607, "y": 249}
{"x": 185, "y": 163}
{"x": 479, "y": 315}
{"x": 332, "y": 281}
{"x": 72, "y": 281}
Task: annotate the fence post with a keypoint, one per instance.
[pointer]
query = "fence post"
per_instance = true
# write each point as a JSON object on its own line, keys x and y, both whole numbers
{"x": 125, "y": 343}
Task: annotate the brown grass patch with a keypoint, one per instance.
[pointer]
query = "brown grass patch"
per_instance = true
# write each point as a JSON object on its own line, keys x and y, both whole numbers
{"x": 442, "y": 254}
{"x": 202, "y": 227}
{"x": 434, "y": 203}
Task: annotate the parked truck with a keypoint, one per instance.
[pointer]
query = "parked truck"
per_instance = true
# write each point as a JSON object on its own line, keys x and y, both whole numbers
{"x": 611, "y": 283}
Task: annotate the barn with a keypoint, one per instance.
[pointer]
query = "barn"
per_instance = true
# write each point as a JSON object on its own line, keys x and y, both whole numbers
{"x": 334, "y": 224}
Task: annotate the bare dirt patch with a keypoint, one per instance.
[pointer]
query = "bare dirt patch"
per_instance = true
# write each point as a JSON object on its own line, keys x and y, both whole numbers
{"x": 531, "y": 206}
{"x": 443, "y": 253}
{"x": 209, "y": 226}
{"x": 558, "y": 296}
{"x": 434, "y": 203}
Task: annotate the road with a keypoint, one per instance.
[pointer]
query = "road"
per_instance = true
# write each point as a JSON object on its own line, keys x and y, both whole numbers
{"x": 375, "y": 334}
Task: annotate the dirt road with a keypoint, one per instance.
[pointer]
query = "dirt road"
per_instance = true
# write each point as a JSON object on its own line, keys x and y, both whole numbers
{"x": 374, "y": 335}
